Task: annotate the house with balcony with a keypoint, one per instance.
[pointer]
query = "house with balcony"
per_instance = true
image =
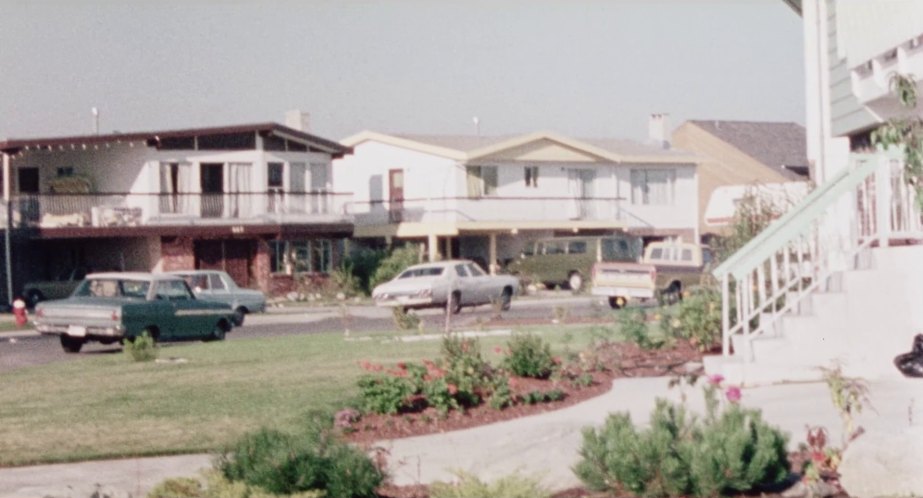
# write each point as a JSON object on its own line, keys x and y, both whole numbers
{"x": 739, "y": 157}
{"x": 484, "y": 197}
{"x": 837, "y": 280}
{"x": 255, "y": 200}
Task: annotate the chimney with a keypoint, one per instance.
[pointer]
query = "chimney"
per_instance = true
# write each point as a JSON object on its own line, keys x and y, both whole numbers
{"x": 657, "y": 130}
{"x": 298, "y": 120}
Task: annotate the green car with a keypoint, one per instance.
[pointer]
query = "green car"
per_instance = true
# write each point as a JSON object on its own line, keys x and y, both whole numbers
{"x": 114, "y": 307}
{"x": 567, "y": 261}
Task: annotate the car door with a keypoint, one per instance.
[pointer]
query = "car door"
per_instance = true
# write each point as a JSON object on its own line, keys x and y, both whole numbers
{"x": 188, "y": 319}
{"x": 218, "y": 290}
{"x": 484, "y": 290}
{"x": 464, "y": 284}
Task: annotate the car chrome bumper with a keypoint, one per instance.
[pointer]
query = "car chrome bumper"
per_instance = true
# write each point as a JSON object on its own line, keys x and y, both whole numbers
{"x": 404, "y": 301}
{"x": 114, "y": 332}
{"x": 623, "y": 292}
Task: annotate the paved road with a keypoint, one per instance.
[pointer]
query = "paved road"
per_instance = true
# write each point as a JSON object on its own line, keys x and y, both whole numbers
{"x": 19, "y": 350}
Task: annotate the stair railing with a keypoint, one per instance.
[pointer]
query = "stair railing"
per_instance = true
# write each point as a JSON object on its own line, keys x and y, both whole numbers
{"x": 828, "y": 231}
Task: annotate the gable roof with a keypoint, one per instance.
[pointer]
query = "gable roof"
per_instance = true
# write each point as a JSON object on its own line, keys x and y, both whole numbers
{"x": 472, "y": 147}
{"x": 13, "y": 145}
{"x": 782, "y": 146}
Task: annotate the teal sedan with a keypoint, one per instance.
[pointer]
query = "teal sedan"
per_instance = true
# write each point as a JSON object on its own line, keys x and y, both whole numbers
{"x": 114, "y": 307}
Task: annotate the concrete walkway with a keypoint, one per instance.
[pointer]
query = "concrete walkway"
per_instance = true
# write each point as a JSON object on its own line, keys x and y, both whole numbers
{"x": 544, "y": 445}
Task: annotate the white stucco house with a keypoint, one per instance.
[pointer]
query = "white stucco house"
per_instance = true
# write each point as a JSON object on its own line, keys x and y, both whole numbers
{"x": 484, "y": 197}
{"x": 256, "y": 200}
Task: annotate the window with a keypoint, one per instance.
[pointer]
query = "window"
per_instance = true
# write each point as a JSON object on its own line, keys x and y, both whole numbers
{"x": 687, "y": 255}
{"x": 531, "y": 176}
{"x": 653, "y": 186}
{"x": 460, "y": 270}
{"x": 170, "y": 290}
{"x": 474, "y": 270}
{"x": 482, "y": 180}
{"x": 274, "y": 175}
{"x": 554, "y": 247}
{"x": 577, "y": 247}
{"x": 215, "y": 283}
{"x": 301, "y": 256}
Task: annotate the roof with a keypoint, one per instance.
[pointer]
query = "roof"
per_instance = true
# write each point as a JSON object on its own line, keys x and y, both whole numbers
{"x": 13, "y": 145}
{"x": 782, "y": 146}
{"x": 473, "y": 147}
{"x": 133, "y": 275}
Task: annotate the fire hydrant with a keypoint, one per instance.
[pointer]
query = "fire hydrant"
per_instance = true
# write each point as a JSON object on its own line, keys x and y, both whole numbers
{"x": 19, "y": 312}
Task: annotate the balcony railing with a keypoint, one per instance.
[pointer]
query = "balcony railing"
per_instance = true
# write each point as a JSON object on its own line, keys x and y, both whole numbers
{"x": 129, "y": 209}
{"x": 490, "y": 208}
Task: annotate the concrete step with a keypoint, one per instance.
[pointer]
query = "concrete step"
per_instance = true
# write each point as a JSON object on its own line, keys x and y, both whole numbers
{"x": 736, "y": 371}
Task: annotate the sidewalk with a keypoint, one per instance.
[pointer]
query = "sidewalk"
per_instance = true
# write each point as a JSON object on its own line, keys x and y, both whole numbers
{"x": 544, "y": 445}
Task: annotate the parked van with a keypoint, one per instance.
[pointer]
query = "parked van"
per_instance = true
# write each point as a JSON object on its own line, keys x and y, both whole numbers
{"x": 567, "y": 261}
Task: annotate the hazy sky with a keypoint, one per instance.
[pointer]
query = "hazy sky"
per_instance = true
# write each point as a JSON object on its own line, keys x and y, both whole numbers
{"x": 582, "y": 68}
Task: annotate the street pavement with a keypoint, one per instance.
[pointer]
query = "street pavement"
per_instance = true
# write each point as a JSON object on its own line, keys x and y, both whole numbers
{"x": 544, "y": 445}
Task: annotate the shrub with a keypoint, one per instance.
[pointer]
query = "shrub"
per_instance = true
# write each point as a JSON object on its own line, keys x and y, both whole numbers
{"x": 469, "y": 486}
{"x": 529, "y": 356}
{"x": 500, "y": 395}
{"x": 384, "y": 393}
{"x": 633, "y": 325}
{"x": 314, "y": 460}
{"x": 466, "y": 369}
{"x": 345, "y": 281}
{"x": 362, "y": 264}
{"x": 700, "y": 317}
{"x": 733, "y": 451}
{"x": 440, "y": 395}
{"x": 142, "y": 348}
{"x": 394, "y": 263}
{"x": 404, "y": 320}
{"x": 216, "y": 486}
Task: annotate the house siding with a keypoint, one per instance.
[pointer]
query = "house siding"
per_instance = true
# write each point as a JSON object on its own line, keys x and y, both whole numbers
{"x": 847, "y": 115}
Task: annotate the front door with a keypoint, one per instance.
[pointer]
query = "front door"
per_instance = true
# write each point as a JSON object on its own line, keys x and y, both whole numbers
{"x": 232, "y": 256}
{"x": 582, "y": 190}
{"x": 396, "y": 194}
{"x": 212, "y": 182}
{"x": 28, "y": 188}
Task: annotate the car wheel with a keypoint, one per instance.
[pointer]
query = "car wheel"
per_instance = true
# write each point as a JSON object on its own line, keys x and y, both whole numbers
{"x": 455, "y": 304}
{"x": 71, "y": 344}
{"x": 575, "y": 281}
{"x": 506, "y": 299}
{"x": 616, "y": 302}
{"x": 34, "y": 297}
{"x": 218, "y": 333}
{"x": 239, "y": 315}
{"x": 674, "y": 293}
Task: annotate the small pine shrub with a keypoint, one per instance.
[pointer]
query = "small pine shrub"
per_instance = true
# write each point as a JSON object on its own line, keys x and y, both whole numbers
{"x": 730, "y": 452}
{"x": 315, "y": 460}
{"x": 469, "y": 486}
{"x": 384, "y": 393}
{"x": 529, "y": 356}
{"x": 217, "y": 486}
{"x": 142, "y": 348}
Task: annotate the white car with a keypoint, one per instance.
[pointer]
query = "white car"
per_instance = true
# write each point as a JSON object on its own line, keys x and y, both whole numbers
{"x": 430, "y": 285}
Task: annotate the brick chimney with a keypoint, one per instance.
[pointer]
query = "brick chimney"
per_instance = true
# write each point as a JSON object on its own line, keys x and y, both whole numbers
{"x": 658, "y": 130}
{"x": 298, "y": 120}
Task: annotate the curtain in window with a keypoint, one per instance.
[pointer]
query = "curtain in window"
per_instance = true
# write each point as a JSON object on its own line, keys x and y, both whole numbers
{"x": 176, "y": 187}
{"x": 239, "y": 190}
{"x": 297, "y": 202}
{"x": 475, "y": 184}
{"x": 318, "y": 181}
{"x": 660, "y": 187}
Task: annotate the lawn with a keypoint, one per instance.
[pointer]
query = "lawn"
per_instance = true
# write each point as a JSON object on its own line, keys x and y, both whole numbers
{"x": 107, "y": 406}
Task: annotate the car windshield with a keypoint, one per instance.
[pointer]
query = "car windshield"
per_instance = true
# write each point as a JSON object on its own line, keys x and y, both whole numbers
{"x": 426, "y": 271}
{"x": 113, "y": 287}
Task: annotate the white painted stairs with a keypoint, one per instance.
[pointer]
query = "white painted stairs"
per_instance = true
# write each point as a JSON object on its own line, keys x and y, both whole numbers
{"x": 867, "y": 318}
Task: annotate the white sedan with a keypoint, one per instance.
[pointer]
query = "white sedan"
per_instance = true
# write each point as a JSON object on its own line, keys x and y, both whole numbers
{"x": 430, "y": 285}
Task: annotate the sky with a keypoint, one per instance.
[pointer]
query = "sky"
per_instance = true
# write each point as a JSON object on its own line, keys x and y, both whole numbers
{"x": 583, "y": 68}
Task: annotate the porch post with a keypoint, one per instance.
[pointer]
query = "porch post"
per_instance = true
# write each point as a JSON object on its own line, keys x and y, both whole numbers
{"x": 448, "y": 248}
{"x": 883, "y": 201}
{"x": 492, "y": 254}
{"x": 725, "y": 316}
{"x": 9, "y": 226}
{"x": 432, "y": 247}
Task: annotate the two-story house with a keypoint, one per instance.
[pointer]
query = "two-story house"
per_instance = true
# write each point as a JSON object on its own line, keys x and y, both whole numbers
{"x": 255, "y": 200}
{"x": 485, "y": 197}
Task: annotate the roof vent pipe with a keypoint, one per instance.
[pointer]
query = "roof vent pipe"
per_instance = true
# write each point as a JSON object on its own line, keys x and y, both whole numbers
{"x": 657, "y": 130}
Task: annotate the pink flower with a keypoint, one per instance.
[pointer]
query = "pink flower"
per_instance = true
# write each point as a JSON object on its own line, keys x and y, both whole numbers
{"x": 716, "y": 379}
{"x": 732, "y": 394}
{"x": 453, "y": 389}
{"x": 498, "y": 350}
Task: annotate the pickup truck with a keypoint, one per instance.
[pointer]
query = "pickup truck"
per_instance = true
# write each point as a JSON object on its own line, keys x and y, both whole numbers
{"x": 665, "y": 270}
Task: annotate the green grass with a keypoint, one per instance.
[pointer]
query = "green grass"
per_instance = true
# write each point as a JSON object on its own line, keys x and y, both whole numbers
{"x": 107, "y": 406}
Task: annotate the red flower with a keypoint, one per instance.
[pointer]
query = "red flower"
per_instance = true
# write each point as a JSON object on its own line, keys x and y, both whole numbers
{"x": 402, "y": 366}
{"x": 733, "y": 394}
{"x": 716, "y": 379}
{"x": 498, "y": 350}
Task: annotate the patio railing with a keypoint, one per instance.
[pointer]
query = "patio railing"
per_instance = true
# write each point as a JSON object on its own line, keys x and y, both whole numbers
{"x": 132, "y": 209}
